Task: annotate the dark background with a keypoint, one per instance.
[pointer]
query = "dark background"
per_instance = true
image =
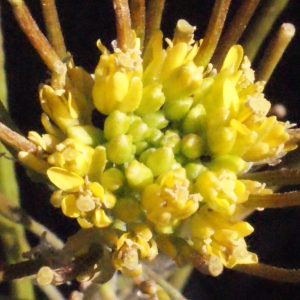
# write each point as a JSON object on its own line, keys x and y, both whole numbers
{"x": 276, "y": 238}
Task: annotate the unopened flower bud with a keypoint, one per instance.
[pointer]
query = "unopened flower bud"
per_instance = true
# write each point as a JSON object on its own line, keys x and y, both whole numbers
{"x": 120, "y": 149}
{"x": 117, "y": 123}
{"x": 176, "y": 110}
{"x": 192, "y": 146}
{"x": 195, "y": 121}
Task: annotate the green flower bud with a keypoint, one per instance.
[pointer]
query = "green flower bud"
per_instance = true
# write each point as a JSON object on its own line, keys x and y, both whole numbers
{"x": 117, "y": 123}
{"x": 144, "y": 156}
{"x": 138, "y": 175}
{"x": 155, "y": 137}
{"x": 112, "y": 179}
{"x": 192, "y": 146}
{"x": 87, "y": 135}
{"x": 156, "y": 120}
{"x": 171, "y": 139}
{"x": 176, "y": 110}
{"x": 152, "y": 99}
{"x": 229, "y": 162}
{"x": 160, "y": 161}
{"x": 221, "y": 139}
{"x": 139, "y": 130}
{"x": 140, "y": 147}
{"x": 120, "y": 149}
{"x": 193, "y": 170}
{"x": 195, "y": 121}
{"x": 127, "y": 209}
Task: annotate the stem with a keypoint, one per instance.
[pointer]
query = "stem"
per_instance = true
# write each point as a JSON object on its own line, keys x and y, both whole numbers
{"x": 123, "y": 24}
{"x": 234, "y": 31}
{"x": 213, "y": 33}
{"x": 16, "y": 140}
{"x": 274, "y": 51}
{"x": 274, "y": 200}
{"x": 262, "y": 26}
{"x": 138, "y": 11}
{"x": 276, "y": 177}
{"x": 107, "y": 291}
{"x": 53, "y": 27}
{"x": 270, "y": 272}
{"x": 169, "y": 289}
{"x": 153, "y": 18}
{"x": 181, "y": 276}
{"x": 52, "y": 292}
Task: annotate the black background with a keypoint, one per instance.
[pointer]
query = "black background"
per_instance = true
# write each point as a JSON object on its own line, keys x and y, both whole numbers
{"x": 276, "y": 239}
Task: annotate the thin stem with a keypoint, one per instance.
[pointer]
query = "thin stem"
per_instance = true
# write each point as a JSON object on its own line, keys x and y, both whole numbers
{"x": 169, "y": 289}
{"x": 271, "y": 273}
{"x": 123, "y": 24}
{"x": 181, "y": 276}
{"x": 275, "y": 51}
{"x": 262, "y": 26}
{"x": 277, "y": 177}
{"x": 52, "y": 292}
{"x": 16, "y": 140}
{"x": 213, "y": 33}
{"x": 107, "y": 291}
{"x": 153, "y": 18}
{"x": 274, "y": 200}
{"x": 53, "y": 27}
{"x": 138, "y": 11}
{"x": 234, "y": 31}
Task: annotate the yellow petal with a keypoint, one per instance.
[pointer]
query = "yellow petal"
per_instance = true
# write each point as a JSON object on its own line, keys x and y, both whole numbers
{"x": 64, "y": 180}
{"x": 69, "y": 208}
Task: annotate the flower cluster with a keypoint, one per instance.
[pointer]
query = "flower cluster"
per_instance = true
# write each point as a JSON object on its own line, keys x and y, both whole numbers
{"x": 175, "y": 139}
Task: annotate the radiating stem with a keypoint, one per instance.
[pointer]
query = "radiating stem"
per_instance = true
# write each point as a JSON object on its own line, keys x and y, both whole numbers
{"x": 234, "y": 31}
{"x": 262, "y": 25}
{"x": 138, "y": 11}
{"x": 213, "y": 32}
{"x": 274, "y": 51}
{"x": 52, "y": 292}
{"x": 16, "y": 140}
{"x": 271, "y": 273}
{"x": 153, "y": 17}
{"x": 123, "y": 24}
{"x": 274, "y": 200}
{"x": 53, "y": 28}
{"x": 181, "y": 276}
{"x": 277, "y": 177}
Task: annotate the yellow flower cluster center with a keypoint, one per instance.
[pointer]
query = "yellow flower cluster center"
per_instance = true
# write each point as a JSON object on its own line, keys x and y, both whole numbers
{"x": 175, "y": 138}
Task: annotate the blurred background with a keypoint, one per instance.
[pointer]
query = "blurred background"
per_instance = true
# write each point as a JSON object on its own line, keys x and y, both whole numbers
{"x": 276, "y": 239}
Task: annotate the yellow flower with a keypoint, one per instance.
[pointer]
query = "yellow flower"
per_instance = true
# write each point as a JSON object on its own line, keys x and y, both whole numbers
{"x": 132, "y": 247}
{"x": 78, "y": 198}
{"x": 168, "y": 201}
{"x": 214, "y": 234}
{"x": 118, "y": 83}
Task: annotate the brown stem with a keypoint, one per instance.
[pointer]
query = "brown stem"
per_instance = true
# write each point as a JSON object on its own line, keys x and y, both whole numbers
{"x": 276, "y": 177}
{"x": 16, "y": 140}
{"x": 36, "y": 37}
{"x": 270, "y": 272}
{"x": 234, "y": 31}
{"x": 213, "y": 32}
{"x": 53, "y": 28}
{"x": 262, "y": 26}
{"x": 274, "y": 200}
{"x": 138, "y": 11}
{"x": 274, "y": 52}
{"x": 153, "y": 17}
{"x": 123, "y": 24}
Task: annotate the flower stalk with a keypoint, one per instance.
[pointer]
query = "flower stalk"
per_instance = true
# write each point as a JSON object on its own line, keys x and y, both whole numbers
{"x": 274, "y": 51}
{"x": 213, "y": 32}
